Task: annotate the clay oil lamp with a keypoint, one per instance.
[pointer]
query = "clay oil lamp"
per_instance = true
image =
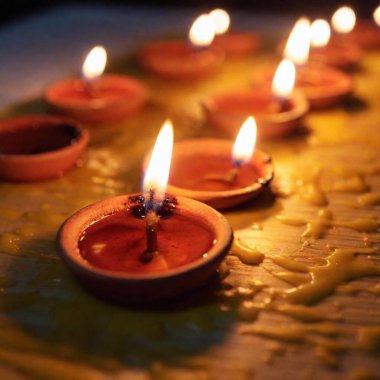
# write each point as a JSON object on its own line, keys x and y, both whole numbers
{"x": 182, "y": 59}
{"x": 328, "y": 52}
{"x": 277, "y": 108}
{"x": 218, "y": 172}
{"x": 233, "y": 43}
{"x": 322, "y": 85}
{"x": 36, "y": 148}
{"x": 146, "y": 247}
{"x": 96, "y": 98}
{"x": 350, "y": 31}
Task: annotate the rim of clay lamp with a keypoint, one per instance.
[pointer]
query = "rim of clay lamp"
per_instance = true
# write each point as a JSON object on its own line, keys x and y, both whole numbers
{"x": 366, "y": 34}
{"x": 71, "y": 230}
{"x": 269, "y": 125}
{"x": 41, "y": 166}
{"x": 238, "y": 43}
{"x": 152, "y": 58}
{"x": 338, "y": 55}
{"x": 328, "y": 94}
{"x": 99, "y": 110}
{"x": 226, "y": 198}
{"x": 350, "y": 56}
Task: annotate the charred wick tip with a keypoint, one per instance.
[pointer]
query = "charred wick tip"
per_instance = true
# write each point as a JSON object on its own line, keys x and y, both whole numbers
{"x": 137, "y": 204}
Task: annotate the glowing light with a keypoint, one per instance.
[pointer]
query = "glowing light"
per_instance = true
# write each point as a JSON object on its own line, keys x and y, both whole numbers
{"x": 221, "y": 20}
{"x": 320, "y": 33}
{"x": 202, "y": 32}
{"x": 343, "y": 20}
{"x": 298, "y": 44}
{"x": 284, "y": 78}
{"x": 157, "y": 173}
{"x": 376, "y": 15}
{"x": 95, "y": 63}
{"x": 244, "y": 145}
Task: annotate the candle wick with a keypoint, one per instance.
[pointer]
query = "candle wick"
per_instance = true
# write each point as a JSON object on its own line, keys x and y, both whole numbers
{"x": 279, "y": 105}
{"x": 90, "y": 86}
{"x": 152, "y": 220}
{"x": 230, "y": 177}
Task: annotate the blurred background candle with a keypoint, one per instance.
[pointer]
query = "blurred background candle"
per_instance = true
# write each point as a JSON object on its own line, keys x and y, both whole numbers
{"x": 322, "y": 85}
{"x": 298, "y": 44}
{"x": 343, "y": 20}
{"x": 334, "y": 53}
{"x": 97, "y": 98}
{"x": 353, "y": 31}
{"x": 234, "y": 43}
{"x": 184, "y": 59}
{"x": 283, "y": 83}
{"x": 320, "y": 33}
{"x": 276, "y": 107}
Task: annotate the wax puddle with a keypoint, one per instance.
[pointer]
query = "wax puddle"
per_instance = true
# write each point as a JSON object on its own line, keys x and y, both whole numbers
{"x": 318, "y": 227}
{"x": 246, "y": 254}
{"x": 342, "y": 265}
{"x": 352, "y": 290}
{"x": 369, "y": 199}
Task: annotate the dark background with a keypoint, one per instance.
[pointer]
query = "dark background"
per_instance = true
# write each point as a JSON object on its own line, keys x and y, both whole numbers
{"x": 15, "y": 9}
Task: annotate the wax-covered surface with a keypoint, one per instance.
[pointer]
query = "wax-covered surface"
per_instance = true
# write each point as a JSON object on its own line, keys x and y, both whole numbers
{"x": 52, "y": 329}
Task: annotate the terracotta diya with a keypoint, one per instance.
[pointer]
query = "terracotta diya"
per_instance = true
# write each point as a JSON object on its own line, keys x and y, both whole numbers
{"x": 322, "y": 85}
{"x": 233, "y": 43}
{"x": 277, "y": 108}
{"x": 348, "y": 30}
{"x": 35, "y": 148}
{"x": 366, "y": 34}
{"x": 218, "y": 172}
{"x": 97, "y": 98}
{"x": 147, "y": 247}
{"x": 334, "y": 53}
{"x": 180, "y": 59}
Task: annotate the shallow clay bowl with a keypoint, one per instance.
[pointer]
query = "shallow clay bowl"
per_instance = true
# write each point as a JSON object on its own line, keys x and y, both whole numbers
{"x": 366, "y": 35}
{"x": 322, "y": 85}
{"x": 339, "y": 55}
{"x": 143, "y": 288}
{"x": 238, "y": 44}
{"x": 126, "y": 96}
{"x": 35, "y": 148}
{"x": 193, "y": 158}
{"x": 176, "y": 59}
{"x": 227, "y": 112}
{"x": 331, "y": 88}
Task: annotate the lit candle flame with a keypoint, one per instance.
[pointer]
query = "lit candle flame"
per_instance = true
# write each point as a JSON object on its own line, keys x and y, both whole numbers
{"x": 343, "y": 20}
{"x": 202, "y": 32}
{"x": 95, "y": 63}
{"x": 284, "y": 79}
{"x": 376, "y": 15}
{"x": 244, "y": 145}
{"x": 157, "y": 173}
{"x": 221, "y": 20}
{"x": 320, "y": 33}
{"x": 298, "y": 44}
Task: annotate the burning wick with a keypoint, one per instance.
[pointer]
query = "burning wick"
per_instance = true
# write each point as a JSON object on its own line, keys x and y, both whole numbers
{"x": 154, "y": 186}
{"x": 93, "y": 67}
{"x": 202, "y": 32}
{"x": 152, "y": 220}
{"x": 242, "y": 152}
{"x": 298, "y": 45}
{"x": 283, "y": 85}
{"x": 343, "y": 20}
